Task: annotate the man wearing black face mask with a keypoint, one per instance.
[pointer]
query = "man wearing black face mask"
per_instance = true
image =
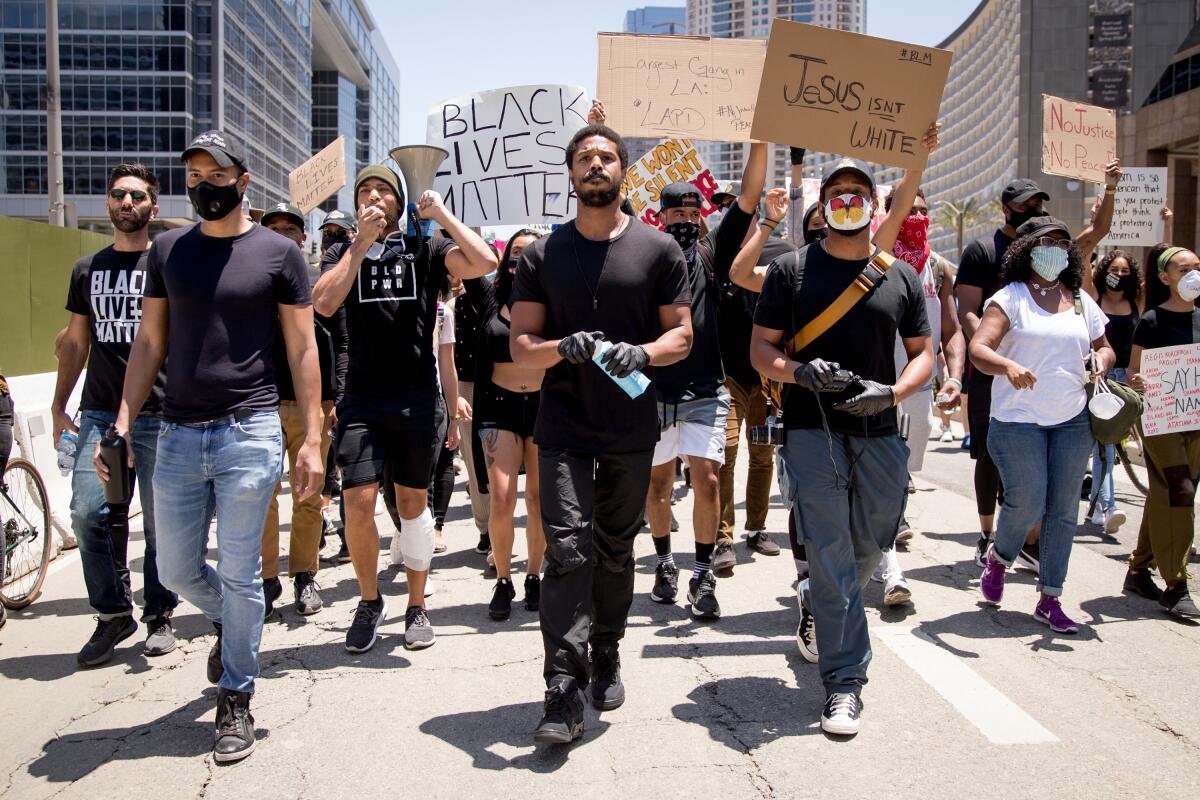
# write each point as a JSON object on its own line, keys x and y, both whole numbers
{"x": 978, "y": 279}
{"x": 338, "y": 226}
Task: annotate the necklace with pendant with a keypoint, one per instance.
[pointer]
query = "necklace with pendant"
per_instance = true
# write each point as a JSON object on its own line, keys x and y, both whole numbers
{"x": 1043, "y": 289}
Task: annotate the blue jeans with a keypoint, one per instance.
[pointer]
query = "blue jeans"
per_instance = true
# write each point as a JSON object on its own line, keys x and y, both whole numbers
{"x": 1102, "y": 473}
{"x": 103, "y": 530}
{"x": 847, "y": 512}
{"x": 1041, "y": 469}
{"x": 229, "y": 466}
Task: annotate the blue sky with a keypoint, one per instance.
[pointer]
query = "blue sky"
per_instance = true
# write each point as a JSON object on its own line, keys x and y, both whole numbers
{"x": 459, "y": 46}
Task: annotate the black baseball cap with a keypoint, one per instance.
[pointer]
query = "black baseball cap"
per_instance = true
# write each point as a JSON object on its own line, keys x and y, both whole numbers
{"x": 339, "y": 218}
{"x": 283, "y": 210}
{"x": 217, "y": 144}
{"x": 727, "y": 193}
{"x": 1041, "y": 225}
{"x": 680, "y": 195}
{"x": 1021, "y": 190}
{"x": 852, "y": 165}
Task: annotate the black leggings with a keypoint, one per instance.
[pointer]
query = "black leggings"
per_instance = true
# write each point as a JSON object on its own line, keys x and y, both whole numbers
{"x": 988, "y": 488}
{"x": 442, "y": 485}
{"x": 798, "y": 551}
{"x": 6, "y": 429}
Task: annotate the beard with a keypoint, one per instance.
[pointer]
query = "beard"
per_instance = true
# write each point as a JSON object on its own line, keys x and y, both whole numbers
{"x": 595, "y": 196}
{"x": 132, "y": 223}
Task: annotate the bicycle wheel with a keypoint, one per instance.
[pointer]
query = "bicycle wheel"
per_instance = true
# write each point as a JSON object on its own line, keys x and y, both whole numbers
{"x": 25, "y": 520}
{"x": 1123, "y": 457}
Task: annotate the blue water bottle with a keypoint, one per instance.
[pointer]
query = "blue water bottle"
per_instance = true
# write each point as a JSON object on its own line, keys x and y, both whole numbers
{"x": 632, "y": 384}
{"x": 68, "y": 442}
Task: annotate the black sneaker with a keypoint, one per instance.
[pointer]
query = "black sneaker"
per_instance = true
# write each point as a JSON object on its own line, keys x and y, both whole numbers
{"x": 981, "y": 548}
{"x": 215, "y": 668}
{"x": 362, "y": 634}
{"x": 485, "y": 543}
{"x": 533, "y": 592}
{"x": 1141, "y": 582}
{"x": 724, "y": 559}
{"x": 842, "y": 714}
{"x": 1178, "y": 602}
{"x": 702, "y": 594}
{"x": 607, "y": 690}
{"x": 1029, "y": 558}
{"x": 272, "y": 591}
{"x": 308, "y": 598}
{"x": 108, "y": 634}
{"x": 235, "y": 727}
{"x": 160, "y": 636}
{"x": 562, "y": 715}
{"x": 502, "y": 596}
{"x": 666, "y": 584}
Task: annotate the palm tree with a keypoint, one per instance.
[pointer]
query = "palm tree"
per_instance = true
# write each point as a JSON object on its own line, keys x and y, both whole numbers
{"x": 962, "y": 215}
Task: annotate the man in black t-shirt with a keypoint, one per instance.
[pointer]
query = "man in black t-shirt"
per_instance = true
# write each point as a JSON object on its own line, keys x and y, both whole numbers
{"x": 846, "y": 462}
{"x": 105, "y": 301}
{"x": 601, "y": 281}
{"x": 215, "y": 294}
{"x": 391, "y": 415}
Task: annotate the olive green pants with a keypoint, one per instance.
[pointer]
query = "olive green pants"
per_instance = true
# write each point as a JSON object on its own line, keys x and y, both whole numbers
{"x": 1169, "y": 519}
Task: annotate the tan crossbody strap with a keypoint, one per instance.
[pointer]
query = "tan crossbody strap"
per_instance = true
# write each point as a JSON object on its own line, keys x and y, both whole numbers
{"x": 876, "y": 268}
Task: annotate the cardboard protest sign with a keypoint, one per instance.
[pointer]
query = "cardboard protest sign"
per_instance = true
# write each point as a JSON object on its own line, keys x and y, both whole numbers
{"x": 1137, "y": 208}
{"x": 319, "y": 178}
{"x": 669, "y": 161}
{"x": 1077, "y": 139}
{"x": 507, "y": 163}
{"x": 679, "y": 86}
{"x": 1172, "y": 376}
{"x": 840, "y": 92}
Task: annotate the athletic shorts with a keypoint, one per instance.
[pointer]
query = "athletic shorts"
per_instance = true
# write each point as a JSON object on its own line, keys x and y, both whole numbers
{"x": 692, "y": 428}
{"x": 401, "y": 433}
{"x": 504, "y": 410}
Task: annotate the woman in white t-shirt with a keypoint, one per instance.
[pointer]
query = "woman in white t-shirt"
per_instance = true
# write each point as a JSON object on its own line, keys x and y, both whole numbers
{"x": 1039, "y": 331}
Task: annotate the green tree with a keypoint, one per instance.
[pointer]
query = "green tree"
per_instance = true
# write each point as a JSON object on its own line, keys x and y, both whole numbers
{"x": 960, "y": 216}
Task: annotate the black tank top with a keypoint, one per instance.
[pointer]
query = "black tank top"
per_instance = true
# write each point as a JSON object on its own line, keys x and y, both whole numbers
{"x": 494, "y": 336}
{"x": 1119, "y": 331}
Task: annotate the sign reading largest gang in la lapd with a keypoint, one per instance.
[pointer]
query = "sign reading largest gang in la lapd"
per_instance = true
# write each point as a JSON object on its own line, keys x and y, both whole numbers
{"x": 507, "y": 162}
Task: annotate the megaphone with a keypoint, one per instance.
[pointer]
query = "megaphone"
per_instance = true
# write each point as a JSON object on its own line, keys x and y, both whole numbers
{"x": 419, "y": 164}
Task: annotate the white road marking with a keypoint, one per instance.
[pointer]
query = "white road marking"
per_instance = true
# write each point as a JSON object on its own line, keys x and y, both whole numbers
{"x": 999, "y": 719}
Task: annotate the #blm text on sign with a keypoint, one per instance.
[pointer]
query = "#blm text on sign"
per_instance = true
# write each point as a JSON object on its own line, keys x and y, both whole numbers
{"x": 1137, "y": 208}
{"x": 1172, "y": 376}
{"x": 840, "y": 92}
{"x": 1077, "y": 139}
{"x": 508, "y": 153}
{"x": 669, "y": 161}
{"x": 679, "y": 86}
{"x": 319, "y": 178}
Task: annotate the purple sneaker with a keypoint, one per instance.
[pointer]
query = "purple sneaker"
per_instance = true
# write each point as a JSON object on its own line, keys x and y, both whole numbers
{"x": 992, "y": 581}
{"x": 1049, "y": 611}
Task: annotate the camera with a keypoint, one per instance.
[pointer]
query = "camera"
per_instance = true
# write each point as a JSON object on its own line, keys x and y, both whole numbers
{"x": 843, "y": 379}
{"x": 770, "y": 432}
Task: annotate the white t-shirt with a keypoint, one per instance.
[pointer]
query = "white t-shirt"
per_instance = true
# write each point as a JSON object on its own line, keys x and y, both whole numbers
{"x": 444, "y": 334}
{"x": 1053, "y": 347}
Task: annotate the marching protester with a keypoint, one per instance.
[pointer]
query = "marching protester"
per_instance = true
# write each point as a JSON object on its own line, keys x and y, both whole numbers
{"x": 391, "y": 410}
{"x": 105, "y": 301}
{"x": 507, "y": 396}
{"x": 441, "y": 484}
{"x": 605, "y": 282}
{"x": 1039, "y": 332}
{"x": 1172, "y": 459}
{"x": 467, "y": 324}
{"x": 213, "y": 293}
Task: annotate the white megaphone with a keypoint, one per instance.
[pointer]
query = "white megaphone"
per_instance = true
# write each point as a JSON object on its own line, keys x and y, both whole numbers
{"x": 418, "y": 164}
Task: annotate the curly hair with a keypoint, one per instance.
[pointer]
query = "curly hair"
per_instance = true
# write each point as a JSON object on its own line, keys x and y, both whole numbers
{"x": 1133, "y": 293}
{"x": 1018, "y": 264}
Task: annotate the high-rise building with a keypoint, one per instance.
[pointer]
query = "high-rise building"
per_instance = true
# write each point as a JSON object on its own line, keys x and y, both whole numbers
{"x": 139, "y": 78}
{"x": 662, "y": 20}
{"x": 738, "y": 19}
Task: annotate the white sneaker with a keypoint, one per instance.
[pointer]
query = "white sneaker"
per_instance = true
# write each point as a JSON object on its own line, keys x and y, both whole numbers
{"x": 395, "y": 556}
{"x": 1097, "y": 517}
{"x": 1114, "y": 518}
{"x": 880, "y": 571}
{"x": 895, "y": 590}
{"x": 806, "y": 631}
{"x": 429, "y": 585}
{"x": 947, "y": 435}
{"x": 842, "y": 714}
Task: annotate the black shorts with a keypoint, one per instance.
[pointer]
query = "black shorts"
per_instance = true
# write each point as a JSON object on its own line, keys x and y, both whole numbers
{"x": 500, "y": 409}
{"x": 402, "y": 434}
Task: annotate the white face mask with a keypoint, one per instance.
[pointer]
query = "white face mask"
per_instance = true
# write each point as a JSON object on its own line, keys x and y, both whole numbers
{"x": 1048, "y": 262}
{"x": 1189, "y": 286}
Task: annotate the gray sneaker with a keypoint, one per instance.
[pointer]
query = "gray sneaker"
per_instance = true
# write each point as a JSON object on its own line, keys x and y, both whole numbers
{"x": 160, "y": 639}
{"x": 723, "y": 559}
{"x": 418, "y": 631}
{"x": 308, "y": 599}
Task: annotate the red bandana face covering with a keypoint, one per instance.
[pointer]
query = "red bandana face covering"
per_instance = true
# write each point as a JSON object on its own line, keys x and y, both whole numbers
{"x": 912, "y": 245}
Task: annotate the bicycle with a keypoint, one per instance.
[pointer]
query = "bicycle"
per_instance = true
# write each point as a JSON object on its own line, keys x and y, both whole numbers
{"x": 25, "y": 522}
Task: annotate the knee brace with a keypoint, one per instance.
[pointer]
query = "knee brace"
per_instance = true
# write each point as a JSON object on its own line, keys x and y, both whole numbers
{"x": 1181, "y": 490}
{"x": 416, "y": 541}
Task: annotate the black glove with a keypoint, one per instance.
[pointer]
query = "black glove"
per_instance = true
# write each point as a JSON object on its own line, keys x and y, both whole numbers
{"x": 797, "y": 156}
{"x": 815, "y": 375}
{"x": 623, "y": 359}
{"x": 875, "y": 398}
{"x": 579, "y": 347}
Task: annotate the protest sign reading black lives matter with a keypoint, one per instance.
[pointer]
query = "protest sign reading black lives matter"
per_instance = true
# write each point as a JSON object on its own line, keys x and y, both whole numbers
{"x": 507, "y": 162}
{"x": 1137, "y": 208}
{"x": 839, "y": 92}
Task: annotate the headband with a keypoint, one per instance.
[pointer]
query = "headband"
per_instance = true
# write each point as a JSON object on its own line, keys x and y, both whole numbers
{"x": 1165, "y": 257}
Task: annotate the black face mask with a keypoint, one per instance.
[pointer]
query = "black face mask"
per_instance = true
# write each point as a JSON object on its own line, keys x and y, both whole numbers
{"x": 1118, "y": 283}
{"x": 685, "y": 233}
{"x": 815, "y": 235}
{"x": 1017, "y": 218}
{"x": 328, "y": 240}
{"x": 214, "y": 202}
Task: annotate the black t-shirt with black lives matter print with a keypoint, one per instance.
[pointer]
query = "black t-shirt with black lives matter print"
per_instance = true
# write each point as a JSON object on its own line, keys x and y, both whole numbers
{"x": 106, "y": 287}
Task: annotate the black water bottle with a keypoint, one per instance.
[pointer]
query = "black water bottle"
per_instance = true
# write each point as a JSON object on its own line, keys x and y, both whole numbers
{"x": 112, "y": 453}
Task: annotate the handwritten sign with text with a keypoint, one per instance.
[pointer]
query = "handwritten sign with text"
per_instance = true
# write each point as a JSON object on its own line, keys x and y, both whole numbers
{"x": 846, "y": 93}
{"x": 679, "y": 86}
{"x": 669, "y": 161}
{"x": 507, "y": 163}
{"x": 317, "y": 179}
{"x": 1172, "y": 376}
{"x": 1137, "y": 208}
{"x": 1077, "y": 139}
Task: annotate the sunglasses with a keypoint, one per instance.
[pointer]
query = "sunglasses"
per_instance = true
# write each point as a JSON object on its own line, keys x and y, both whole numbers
{"x": 119, "y": 194}
{"x": 1061, "y": 244}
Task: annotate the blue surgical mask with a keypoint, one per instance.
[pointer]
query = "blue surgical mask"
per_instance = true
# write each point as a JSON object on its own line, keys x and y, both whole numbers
{"x": 1048, "y": 262}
